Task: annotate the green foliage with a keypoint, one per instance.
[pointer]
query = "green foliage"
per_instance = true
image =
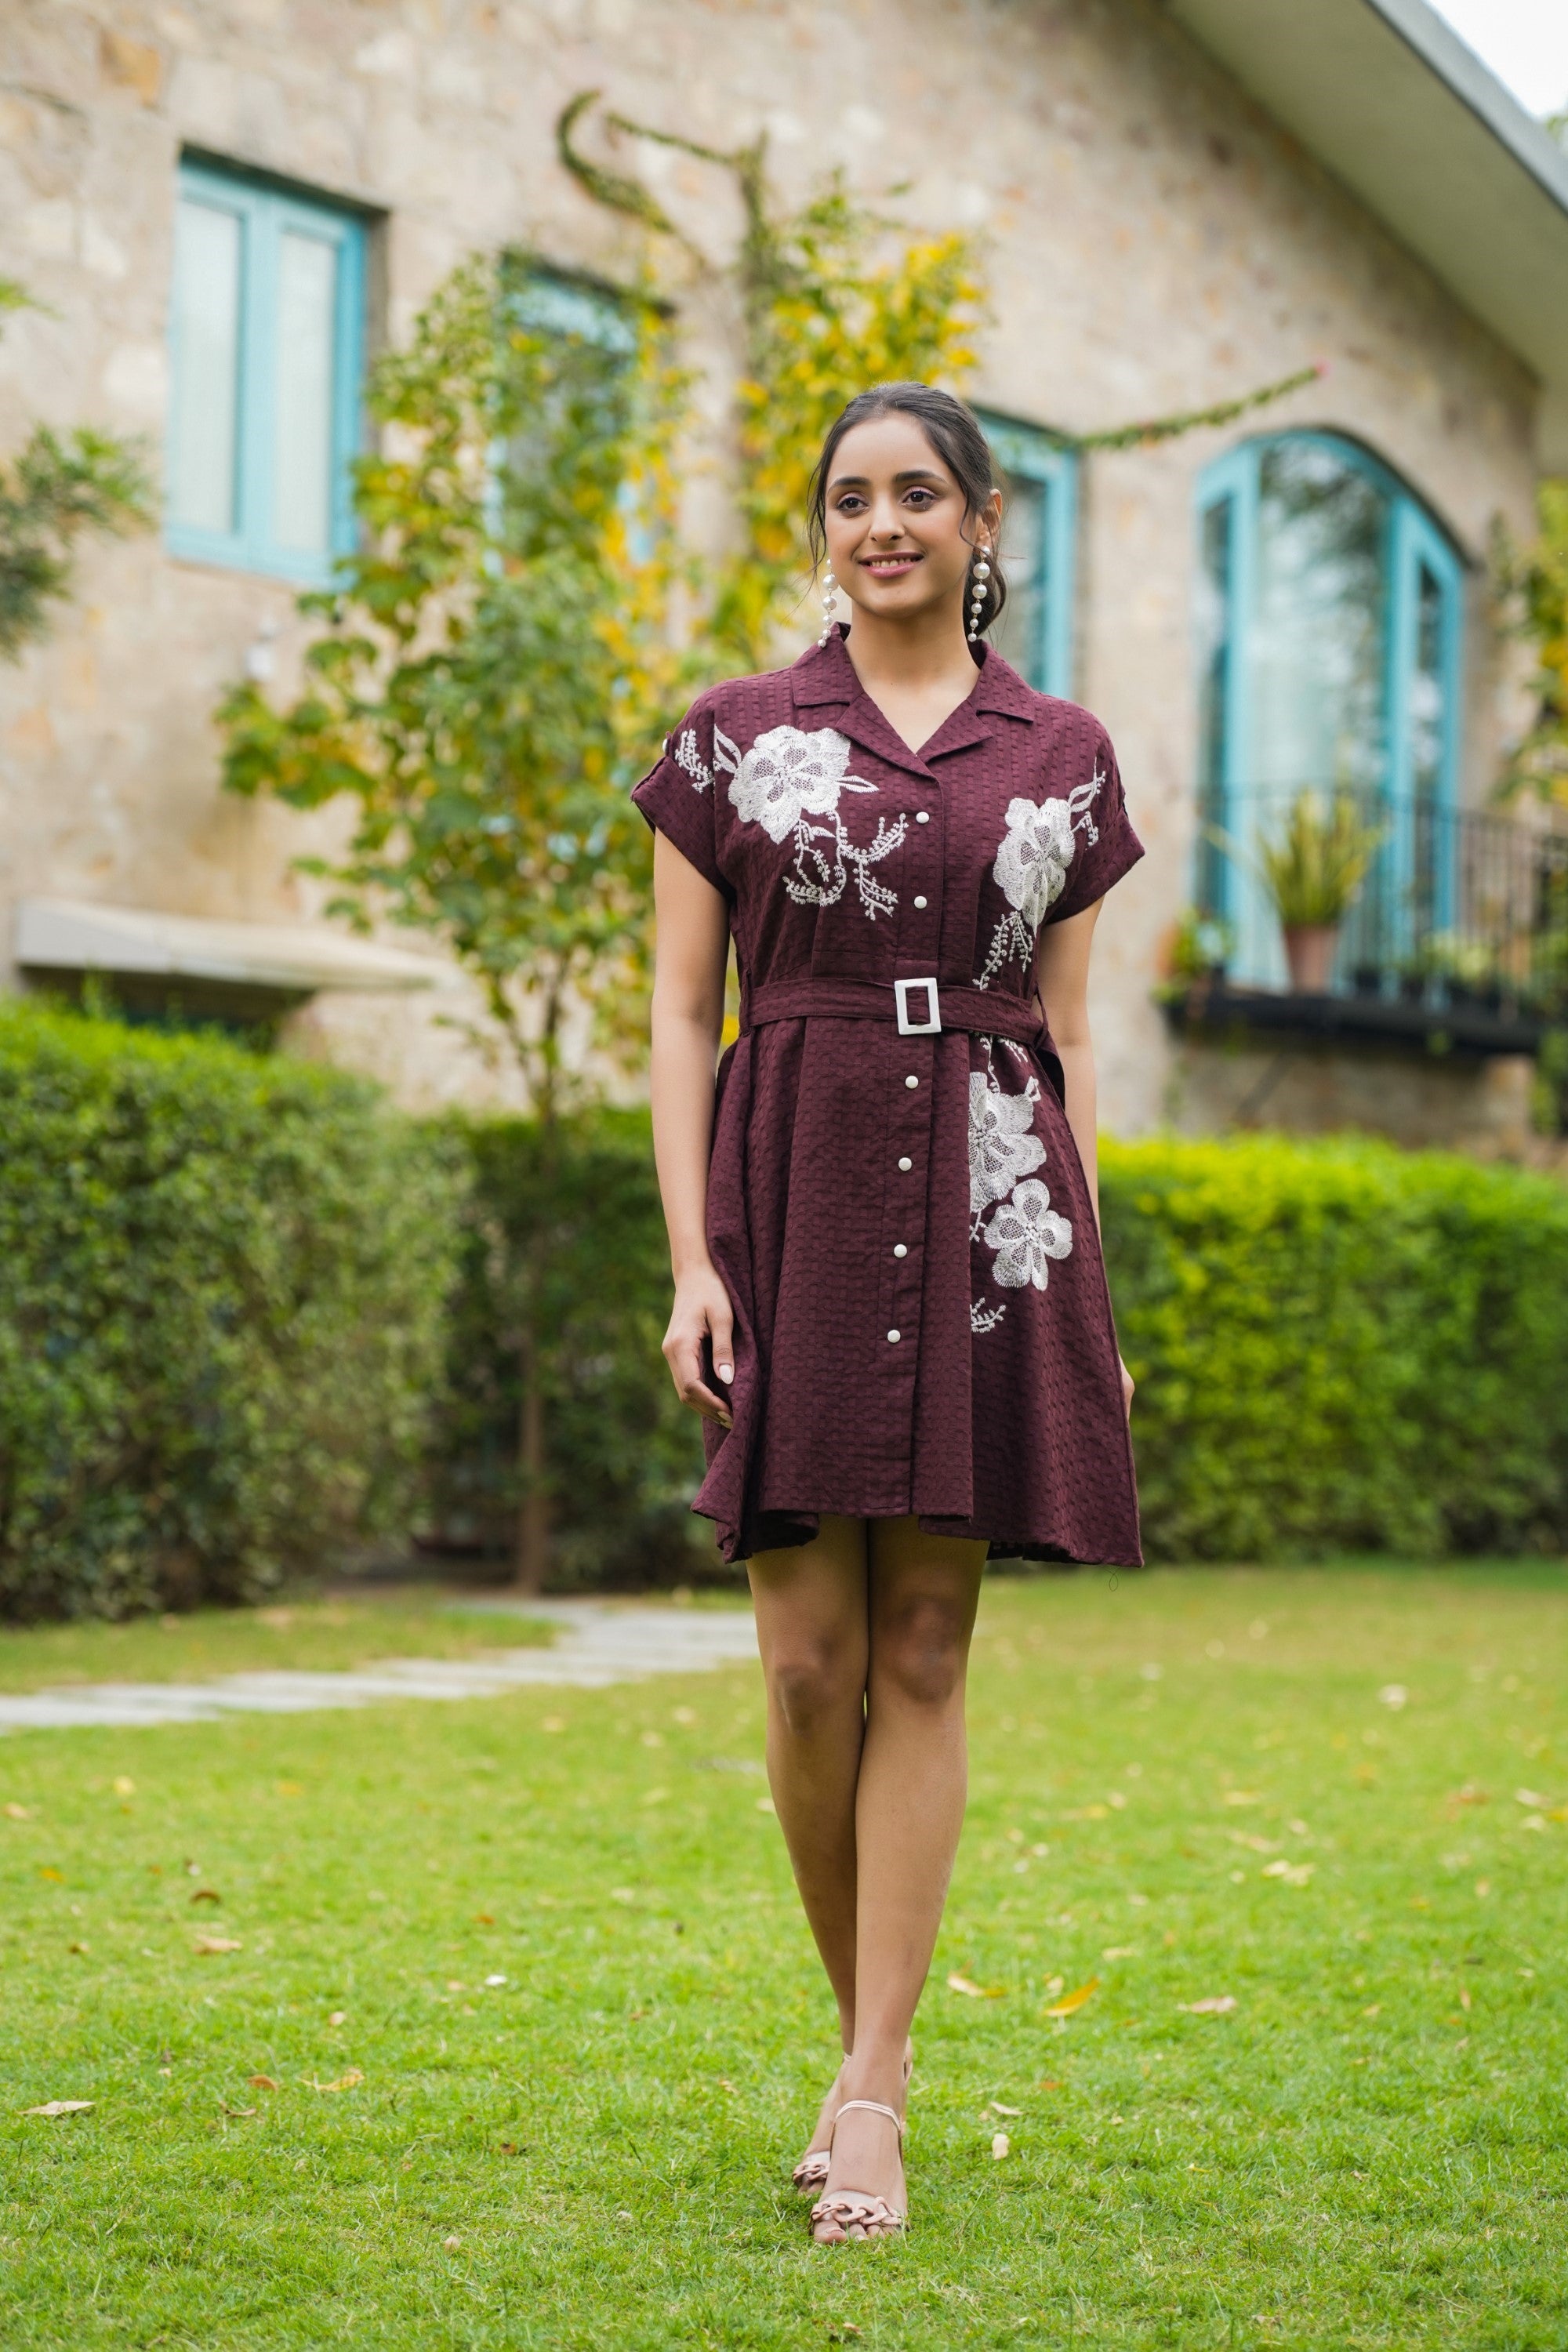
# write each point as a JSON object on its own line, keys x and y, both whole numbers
{"x": 1314, "y": 870}
{"x": 222, "y": 1286}
{"x": 564, "y": 1252}
{"x": 1533, "y": 588}
{"x": 1339, "y": 1347}
{"x": 56, "y": 491}
{"x": 494, "y": 658}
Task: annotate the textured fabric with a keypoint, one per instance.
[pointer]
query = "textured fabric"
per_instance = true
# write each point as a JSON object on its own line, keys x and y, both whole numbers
{"x": 902, "y": 1222}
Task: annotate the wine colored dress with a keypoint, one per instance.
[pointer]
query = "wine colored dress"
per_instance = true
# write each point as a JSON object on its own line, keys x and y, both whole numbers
{"x": 897, "y": 1208}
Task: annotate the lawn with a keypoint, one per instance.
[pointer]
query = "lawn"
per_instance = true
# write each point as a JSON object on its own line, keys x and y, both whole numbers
{"x": 521, "y": 2033}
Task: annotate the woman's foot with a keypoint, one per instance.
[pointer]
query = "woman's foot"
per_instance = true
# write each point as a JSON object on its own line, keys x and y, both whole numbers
{"x": 811, "y": 2172}
{"x": 865, "y": 2196}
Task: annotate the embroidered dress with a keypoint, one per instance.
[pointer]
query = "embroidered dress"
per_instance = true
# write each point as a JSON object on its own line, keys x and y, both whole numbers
{"x": 901, "y": 1219}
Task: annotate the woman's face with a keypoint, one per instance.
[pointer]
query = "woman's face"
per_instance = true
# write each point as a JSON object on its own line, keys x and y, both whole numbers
{"x": 899, "y": 539}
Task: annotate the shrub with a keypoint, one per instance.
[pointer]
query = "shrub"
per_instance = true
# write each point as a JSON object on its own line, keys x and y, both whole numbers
{"x": 1340, "y": 1346}
{"x": 564, "y": 1244}
{"x": 222, "y": 1299}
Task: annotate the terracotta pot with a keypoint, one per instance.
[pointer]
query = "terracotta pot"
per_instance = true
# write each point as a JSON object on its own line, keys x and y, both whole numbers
{"x": 1309, "y": 952}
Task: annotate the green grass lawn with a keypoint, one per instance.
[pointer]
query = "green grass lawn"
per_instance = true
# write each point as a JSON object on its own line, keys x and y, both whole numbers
{"x": 352, "y": 1630}
{"x": 522, "y": 2033}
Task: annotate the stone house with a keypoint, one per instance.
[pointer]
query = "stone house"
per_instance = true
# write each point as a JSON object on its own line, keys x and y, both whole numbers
{"x": 226, "y": 207}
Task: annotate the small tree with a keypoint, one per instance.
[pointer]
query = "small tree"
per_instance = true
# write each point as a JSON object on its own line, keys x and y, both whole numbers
{"x": 1533, "y": 582}
{"x": 486, "y": 684}
{"x": 53, "y": 493}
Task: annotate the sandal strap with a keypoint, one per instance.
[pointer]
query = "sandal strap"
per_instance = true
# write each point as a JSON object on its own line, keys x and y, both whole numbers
{"x": 845, "y": 2206}
{"x": 873, "y": 2107}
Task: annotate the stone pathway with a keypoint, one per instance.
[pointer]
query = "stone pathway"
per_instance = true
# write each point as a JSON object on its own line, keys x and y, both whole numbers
{"x": 597, "y": 1642}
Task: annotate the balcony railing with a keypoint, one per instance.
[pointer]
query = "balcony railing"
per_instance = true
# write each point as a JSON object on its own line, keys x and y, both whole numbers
{"x": 1458, "y": 930}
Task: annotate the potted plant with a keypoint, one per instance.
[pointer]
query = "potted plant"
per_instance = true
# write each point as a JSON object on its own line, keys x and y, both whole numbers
{"x": 1202, "y": 947}
{"x": 1312, "y": 872}
{"x": 1468, "y": 970}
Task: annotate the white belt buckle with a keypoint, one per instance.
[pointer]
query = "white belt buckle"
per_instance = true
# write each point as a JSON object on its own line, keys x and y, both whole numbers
{"x": 933, "y": 1024}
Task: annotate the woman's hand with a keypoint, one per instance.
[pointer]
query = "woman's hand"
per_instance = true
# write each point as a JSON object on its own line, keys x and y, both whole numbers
{"x": 701, "y": 1311}
{"x": 1127, "y": 1387}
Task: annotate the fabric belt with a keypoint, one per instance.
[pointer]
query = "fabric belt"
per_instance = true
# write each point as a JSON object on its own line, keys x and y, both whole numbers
{"x": 975, "y": 1009}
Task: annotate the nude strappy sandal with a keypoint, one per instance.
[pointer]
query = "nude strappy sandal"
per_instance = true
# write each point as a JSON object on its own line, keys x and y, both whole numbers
{"x": 811, "y": 2173}
{"x": 855, "y": 2212}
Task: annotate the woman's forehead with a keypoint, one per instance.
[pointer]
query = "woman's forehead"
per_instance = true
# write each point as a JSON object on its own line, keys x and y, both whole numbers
{"x": 885, "y": 447}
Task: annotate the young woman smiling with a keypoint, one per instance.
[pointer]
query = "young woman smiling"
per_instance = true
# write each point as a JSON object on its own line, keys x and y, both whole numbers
{"x": 889, "y": 1303}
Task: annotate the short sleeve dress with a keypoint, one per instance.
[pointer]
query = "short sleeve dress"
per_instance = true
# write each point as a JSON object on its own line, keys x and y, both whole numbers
{"x": 895, "y": 1204}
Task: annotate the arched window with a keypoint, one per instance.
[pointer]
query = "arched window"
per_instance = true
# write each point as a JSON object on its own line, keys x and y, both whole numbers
{"x": 1039, "y": 526}
{"x": 1330, "y": 625}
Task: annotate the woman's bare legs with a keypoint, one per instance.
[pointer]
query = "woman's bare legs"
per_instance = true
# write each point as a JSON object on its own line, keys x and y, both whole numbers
{"x": 923, "y": 1592}
{"x": 811, "y": 1629}
{"x": 865, "y": 1640}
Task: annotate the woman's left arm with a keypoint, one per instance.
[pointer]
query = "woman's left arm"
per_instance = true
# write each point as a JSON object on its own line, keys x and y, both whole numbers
{"x": 1061, "y": 976}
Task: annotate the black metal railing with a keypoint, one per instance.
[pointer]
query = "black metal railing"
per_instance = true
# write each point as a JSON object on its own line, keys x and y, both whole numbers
{"x": 1460, "y": 910}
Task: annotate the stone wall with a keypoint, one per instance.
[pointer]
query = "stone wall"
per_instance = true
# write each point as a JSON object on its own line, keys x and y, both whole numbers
{"x": 1155, "y": 243}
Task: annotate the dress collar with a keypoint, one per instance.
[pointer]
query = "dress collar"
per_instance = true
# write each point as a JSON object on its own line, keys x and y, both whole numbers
{"x": 823, "y": 678}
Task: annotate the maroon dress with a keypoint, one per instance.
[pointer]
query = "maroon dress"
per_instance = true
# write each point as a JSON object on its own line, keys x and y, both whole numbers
{"x": 895, "y": 1202}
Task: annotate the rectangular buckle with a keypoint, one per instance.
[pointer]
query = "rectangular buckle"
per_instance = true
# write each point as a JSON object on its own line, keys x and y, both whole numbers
{"x": 933, "y": 1024}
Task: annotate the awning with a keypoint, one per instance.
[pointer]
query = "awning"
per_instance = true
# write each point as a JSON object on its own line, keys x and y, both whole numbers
{"x": 296, "y": 959}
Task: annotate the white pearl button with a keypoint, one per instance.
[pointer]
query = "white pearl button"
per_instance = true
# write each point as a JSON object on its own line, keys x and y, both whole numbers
{"x": 922, "y": 816}
{"x": 901, "y": 1249}
{"x": 905, "y": 1165}
{"x": 920, "y": 902}
{"x": 895, "y": 1335}
{"x": 912, "y": 1082}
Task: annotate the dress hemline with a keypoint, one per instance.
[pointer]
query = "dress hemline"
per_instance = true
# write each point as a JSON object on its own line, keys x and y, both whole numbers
{"x": 787, "y": 1530}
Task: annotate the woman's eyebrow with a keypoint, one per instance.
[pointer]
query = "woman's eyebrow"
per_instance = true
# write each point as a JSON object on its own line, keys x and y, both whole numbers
{"x": 863, "y": 481}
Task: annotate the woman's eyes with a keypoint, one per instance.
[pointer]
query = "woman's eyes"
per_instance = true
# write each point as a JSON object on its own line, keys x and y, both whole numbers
{"x": 851, "y": 502}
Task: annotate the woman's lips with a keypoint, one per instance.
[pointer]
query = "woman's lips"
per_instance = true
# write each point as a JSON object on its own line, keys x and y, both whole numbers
{"x": 887, "y": 567}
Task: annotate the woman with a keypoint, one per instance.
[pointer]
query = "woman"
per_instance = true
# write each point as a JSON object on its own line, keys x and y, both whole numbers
{"x": 889, "y": 1303}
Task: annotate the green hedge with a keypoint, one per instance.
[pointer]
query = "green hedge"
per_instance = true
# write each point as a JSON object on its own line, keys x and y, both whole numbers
{"x": 563, "y": 1239}
{"x": 1340, "y": 1346}
{"x": 223, "y": 1280}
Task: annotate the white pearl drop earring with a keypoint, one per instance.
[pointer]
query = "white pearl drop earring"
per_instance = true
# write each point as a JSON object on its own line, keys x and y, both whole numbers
{"x": 982, "y": 573}
{"x": 829, "y": 605}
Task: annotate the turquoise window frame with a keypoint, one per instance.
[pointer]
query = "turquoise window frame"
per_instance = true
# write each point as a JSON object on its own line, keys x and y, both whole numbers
{"x": 1415, "y": 540}
{"x": 1031, "y": 453}
{"x": 265, "y": 212}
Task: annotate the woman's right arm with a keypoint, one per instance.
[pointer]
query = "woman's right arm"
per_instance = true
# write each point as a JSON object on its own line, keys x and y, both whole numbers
{"x": 693, "y": 947}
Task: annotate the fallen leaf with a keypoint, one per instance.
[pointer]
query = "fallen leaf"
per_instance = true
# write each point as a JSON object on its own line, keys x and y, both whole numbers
{"x": 483, "y": 1919}
{"x": 337, "y": 2017}
{"x": 56, "y": 1877}
{"x": 124, "y": 1786}
{"x": 1257, "y": 1845}
{"x": 1052, "y": 1987}
{"x": 1075, "y": 1999}
{"x": 998, "y": 2109}
{"x": 18, "y": 1813}
{"x": 1394, "y": 1695}
{"x": 1464, "y": 1997}
{"x": 62, "y": 2107}
{"x": 1001, "y": 2145}
{"x": 207, "y": 1944}
{"x": 206, "y": 1894}
{"x": 1483, "y": 1887}
{"x": 1086, "y": 1813}
{"x": 1242, "y": 1797}
{"x": 1050, "y": 2083}
{"x": 262, "y": 2082}
{"x": 1533, "y": 1821}
{"x": 956, "y": 1983}
{"x": 451, "y": 2244}
{"x": 78, "y": 1948}
{"x": 1529, "y": 1798}
{"x": 492, "y": 1981}
{"x": 225, "y": 2109}
{"x": 1119, "y": 1952}
{"x": 349, "y": 2081}
{"x": 1216, "y": 2004}
{"x": 1290, "y": 1874}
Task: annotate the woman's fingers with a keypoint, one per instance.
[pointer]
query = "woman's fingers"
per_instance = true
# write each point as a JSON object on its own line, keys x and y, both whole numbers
{"x": 721, "y": 1331}
{"x": 683, "y": 1353}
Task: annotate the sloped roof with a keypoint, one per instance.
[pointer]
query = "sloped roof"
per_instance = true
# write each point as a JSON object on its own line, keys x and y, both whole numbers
{"x": 1391, "y": 100}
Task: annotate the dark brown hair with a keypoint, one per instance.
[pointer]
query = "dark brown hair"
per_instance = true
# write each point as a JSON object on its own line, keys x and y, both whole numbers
{"x": 953, "y": 431}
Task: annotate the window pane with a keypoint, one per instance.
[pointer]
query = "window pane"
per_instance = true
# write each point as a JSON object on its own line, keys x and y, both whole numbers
{"x": 208, "y": 256}
{"x": 1214, "y": 679}
{"x": 1020, "y": 635}
{"x": 1318, "y": 664}
{"x": 307, "y": 310}
{"x": 1430, "y": 840}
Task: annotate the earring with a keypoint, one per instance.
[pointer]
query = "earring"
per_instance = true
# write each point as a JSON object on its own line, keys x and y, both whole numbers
{"x": 829, "y": 605}
{"x": 980, "y": 575}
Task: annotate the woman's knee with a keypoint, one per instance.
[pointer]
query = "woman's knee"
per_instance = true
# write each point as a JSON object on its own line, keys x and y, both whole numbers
{"x": 920, "y": 1646}
{"x": 814, "y": 1683}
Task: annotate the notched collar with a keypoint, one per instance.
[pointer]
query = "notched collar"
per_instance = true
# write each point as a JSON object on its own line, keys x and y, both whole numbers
{"x": 823, "y": 678}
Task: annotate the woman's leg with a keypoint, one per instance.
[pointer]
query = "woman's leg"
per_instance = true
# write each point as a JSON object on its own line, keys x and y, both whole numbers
{"x": 811, "y": 1605}
{"x": 924, "y": 1592}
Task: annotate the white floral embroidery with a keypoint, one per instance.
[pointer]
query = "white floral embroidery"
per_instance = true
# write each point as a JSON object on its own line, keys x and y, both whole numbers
{"x": 788, "y": 778}
{"x": 985, "y": 1318}
{"x": 1032, "y": 868}
{"x": 1003, "y": 1145}
{"x": 688, "y": 757}
{"x": 1025, "y": 1234}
